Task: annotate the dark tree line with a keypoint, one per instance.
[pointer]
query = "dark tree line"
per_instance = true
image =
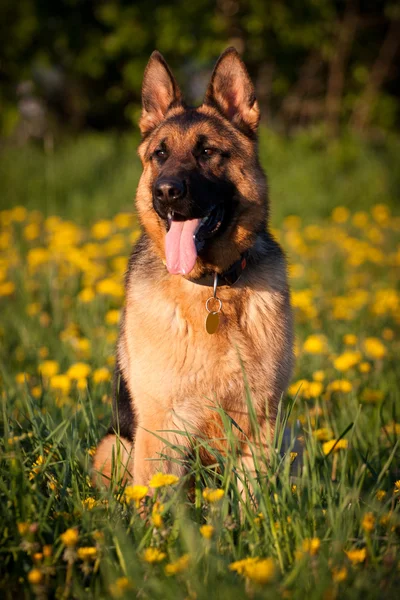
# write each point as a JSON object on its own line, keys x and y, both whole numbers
{"x": 80, "y": 62}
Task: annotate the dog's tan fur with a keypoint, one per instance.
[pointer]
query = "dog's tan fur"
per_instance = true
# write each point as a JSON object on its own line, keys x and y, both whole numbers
{"x": 174, "y": 370}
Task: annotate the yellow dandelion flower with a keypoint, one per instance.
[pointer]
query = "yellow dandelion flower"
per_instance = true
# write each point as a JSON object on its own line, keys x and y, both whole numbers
{"x": 356, "y": 556}
{"x": 48, "y": 368}
{"x": 23, "y": 528}
{"x": 311, "y": 545}
{"x": 87, "y": 553}
{"x": 135, "y": 493}
{"x": 347, "y": 361}
{"x": 36, "y": 391}
{"x": 397, "y": 486}
{"x": 120, "y": 586}
{"x": 35, "y": 576}
{"x": 392, "y": 428}
{"x": 7, "y": 288}
{"x": 213, "y": 495}
{"x": 86, "y": 295}
{"x": 78, "y": 370}
{"x": 318, "y": 375}
{"x": 178, "y": 566}
{"x": 22, "y": 378}
{"x": 323, "y": 434}
{"x": 47, "y": 550}
{"x": 160, "y": 480}
{"x": 101, "y": 375}
{"x": 374, "y": 348}
{"x": 70, "y": 537}
{"x": 339, "y": 574}
{"x": 153, "y": 555}
{"x": 350, "y": 339}
{"x": 340, "y": 385}
{"x": 102, "y": 229}
{"x": 113, "y": 317}
{"x": 364, "y": 367}
{"x": 261, "y": 572}
{"x": 340, "y": 214}
{"x": 36, "y": 467}
{"x": 89, "y": 503}
{"x": 372, "y": 396}
{"x": 380, "y": 495}
{"x": 110, "y": 287}
{"x": 60, "y": 383}
{"x": 336, "y": 445}
{"x": 368, "y": 522}
{"x": 240, "y": 566}
{"x": 207, "y": 531}
{"x": 315, "y": 344}
{"x": 156, "y": 515}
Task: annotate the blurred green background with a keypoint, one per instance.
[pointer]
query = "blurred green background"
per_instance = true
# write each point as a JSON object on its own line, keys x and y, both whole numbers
{"x": 326, "y": 73}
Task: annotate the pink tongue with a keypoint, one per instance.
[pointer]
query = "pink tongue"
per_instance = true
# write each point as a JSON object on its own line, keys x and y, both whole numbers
{"x": 180, "y": 249}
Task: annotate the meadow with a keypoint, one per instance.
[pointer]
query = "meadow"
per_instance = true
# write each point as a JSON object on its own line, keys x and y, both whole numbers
{"x": 322, "y": 519}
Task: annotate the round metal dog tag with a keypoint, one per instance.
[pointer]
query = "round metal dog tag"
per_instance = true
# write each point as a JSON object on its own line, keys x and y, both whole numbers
{"x": 212, "y": 322}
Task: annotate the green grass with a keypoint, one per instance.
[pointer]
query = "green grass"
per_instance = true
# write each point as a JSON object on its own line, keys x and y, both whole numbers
{"x": 56, "y": 305}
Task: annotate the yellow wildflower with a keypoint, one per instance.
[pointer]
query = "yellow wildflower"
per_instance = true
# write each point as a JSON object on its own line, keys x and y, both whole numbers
{"x": 87, "y": 553}
{"x": 380, "y": 495}
{"x": 153, "y": 555}
{"x": 397, "y": 486}
{"x": 334, "y": 444}
{"x": 364, "y": 367}
{"x": 22, "y": 377}
{"x": 371, "y": 396}
{"x": 135, "y": 493}
{"x": 350, "y": 339}
{"x": 36, "y": 467}
{"x": 323, "y": 434}
{"x": 315, "y": 344}
{"x": 213, "y": 495}
{"x": 311, "y": 545}
{"x": 112, "y": 317}
{"x": 259, "y": 570}
{"x": 207, "y": 531}
{"x": 356, "y": 556}
{"x": 368, "y": 522}
{"x": 347, "y": 361}
{"x": 120, "y": 586}
{"x": 178, "y": 566}
{"x": 48, "y": 368}
{"x": 340, "y": 385}
{"x": 70, "y": 537}
{"x": 23, "y": 528}
{"x": 101, "y": 375}
{"x": 47, "y": 550}
{"x": 36, "y": 391}
{"x": 339, "y": 574}
{"x": 35, "y": 576}
{"x": 160, "y": 480}
{"x": 78, "y": 370}
{"x": 110, "y": 287}
{"x": 89, "y": 503}
{"x": 374, "y": 348}
{"x": 61, "y": 383}
{"x": 7, "y": 288}
{"x": 86, "y": 295}
{"x": 156, "y": 514}
{"x": 318, "y": 375}
{"x": 340, "y": 214}
{"x": 101, "y": 229}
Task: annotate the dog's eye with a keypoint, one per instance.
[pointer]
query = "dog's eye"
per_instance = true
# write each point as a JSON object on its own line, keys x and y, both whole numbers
{"x": 160, "y": 153}
{"x": 208, "y": 152}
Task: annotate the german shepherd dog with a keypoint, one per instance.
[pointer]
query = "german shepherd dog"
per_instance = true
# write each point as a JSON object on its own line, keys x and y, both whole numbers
{"x": 207, "y": 298}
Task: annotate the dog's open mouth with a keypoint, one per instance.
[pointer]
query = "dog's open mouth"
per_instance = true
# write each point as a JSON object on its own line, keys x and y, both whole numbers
{"x": 186, "y": 238}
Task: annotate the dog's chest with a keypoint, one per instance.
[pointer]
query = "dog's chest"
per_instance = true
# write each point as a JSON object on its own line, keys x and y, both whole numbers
{"x": 171, "y": 356}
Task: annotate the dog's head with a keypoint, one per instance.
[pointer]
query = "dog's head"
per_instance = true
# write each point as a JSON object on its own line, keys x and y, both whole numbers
{"x": 202, "y": 197}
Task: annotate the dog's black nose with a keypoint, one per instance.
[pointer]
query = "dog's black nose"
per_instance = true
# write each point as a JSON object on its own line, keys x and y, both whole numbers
{"x": 167, "y": 190}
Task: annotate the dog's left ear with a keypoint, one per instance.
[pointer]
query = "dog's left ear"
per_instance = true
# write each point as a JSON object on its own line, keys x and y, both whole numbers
{"x": 159, "y": 92}
{"x": 232, "y": 92}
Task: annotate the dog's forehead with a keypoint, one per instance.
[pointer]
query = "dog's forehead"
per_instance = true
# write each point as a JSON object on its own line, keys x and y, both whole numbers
{"x": 184, "y": 129}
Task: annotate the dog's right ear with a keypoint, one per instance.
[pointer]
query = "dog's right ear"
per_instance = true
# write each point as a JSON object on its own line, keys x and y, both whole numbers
{"x": 159, "y": 92}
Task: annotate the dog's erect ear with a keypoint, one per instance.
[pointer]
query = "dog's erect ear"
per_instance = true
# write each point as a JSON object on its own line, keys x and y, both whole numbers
{"x": 159, "y": 92}
{"x": 232, "y": 92}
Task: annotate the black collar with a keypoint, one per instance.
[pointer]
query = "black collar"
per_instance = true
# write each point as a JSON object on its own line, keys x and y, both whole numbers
{"x": 228, "y": 277}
